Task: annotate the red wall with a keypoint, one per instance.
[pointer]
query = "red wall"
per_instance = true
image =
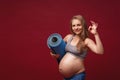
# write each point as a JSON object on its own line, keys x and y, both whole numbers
{"x": 26, "y": 25}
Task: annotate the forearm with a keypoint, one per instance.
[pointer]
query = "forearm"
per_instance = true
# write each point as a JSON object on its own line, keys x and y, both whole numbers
{"x": 99, "y": 44}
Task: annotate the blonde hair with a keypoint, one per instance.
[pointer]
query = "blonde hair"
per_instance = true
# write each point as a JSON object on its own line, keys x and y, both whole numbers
{"x": 84, "y": 33}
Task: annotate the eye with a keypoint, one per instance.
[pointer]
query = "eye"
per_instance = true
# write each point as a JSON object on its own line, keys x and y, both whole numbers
{"x": 78, "y": 24}
{"x": 73, "y": 25}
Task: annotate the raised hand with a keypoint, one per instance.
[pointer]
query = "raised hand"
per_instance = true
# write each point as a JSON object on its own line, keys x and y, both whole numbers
{"x": 93, "y": 28}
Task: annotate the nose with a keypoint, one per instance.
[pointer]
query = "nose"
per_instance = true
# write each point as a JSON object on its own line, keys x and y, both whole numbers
{"x": 76, "y": 27}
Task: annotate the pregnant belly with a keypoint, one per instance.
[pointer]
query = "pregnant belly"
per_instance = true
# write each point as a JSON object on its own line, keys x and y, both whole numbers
{"x": 70, "y": 65}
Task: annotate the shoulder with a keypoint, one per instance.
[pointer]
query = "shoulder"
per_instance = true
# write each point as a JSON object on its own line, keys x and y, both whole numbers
{"x": 87, "y": 41}
{"x": 67, "y": 37}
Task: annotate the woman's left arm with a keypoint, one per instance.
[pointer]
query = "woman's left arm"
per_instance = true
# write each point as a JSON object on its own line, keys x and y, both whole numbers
{"x": 96, "y": 46}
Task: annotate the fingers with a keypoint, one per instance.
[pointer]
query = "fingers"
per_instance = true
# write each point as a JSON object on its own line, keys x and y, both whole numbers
{"x": 54, "y": 55}
{"x": 93, "y": 27}
{"x": 94, "y": 23}
{"x": 90, "y": 28}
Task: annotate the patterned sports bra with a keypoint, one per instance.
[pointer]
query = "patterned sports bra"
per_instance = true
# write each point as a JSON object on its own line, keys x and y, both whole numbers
{"x": 73, "y": 49}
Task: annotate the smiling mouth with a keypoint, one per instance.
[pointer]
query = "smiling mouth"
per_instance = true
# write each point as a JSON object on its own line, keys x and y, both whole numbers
{"x": 78, "y": 30}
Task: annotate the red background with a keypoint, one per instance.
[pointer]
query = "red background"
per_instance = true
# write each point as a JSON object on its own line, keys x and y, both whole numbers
{"x": 26, "y": 25}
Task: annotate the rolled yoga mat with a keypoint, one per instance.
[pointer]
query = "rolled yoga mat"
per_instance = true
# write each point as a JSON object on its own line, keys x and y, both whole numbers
{"x": 56, "y": 44}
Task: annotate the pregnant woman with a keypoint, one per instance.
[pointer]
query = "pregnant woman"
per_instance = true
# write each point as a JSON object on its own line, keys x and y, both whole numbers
{"x": 72, "y": 64}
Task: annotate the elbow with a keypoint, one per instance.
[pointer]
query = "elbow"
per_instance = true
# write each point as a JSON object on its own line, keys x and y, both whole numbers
{"x": 101, "y": 52}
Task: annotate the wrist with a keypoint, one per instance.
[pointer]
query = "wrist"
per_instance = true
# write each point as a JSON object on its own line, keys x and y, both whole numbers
{"x": 96, "y": 33}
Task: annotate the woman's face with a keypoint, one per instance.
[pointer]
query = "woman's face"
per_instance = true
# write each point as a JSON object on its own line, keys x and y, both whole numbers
{"x": 76, "y": 26}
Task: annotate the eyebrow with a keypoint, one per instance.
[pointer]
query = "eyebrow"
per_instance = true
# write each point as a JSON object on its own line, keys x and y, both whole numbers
{"x": 76, "y": 24}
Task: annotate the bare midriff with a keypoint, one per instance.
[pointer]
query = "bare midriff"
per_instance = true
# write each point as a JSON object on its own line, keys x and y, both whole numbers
{"x": 71, "y": 65}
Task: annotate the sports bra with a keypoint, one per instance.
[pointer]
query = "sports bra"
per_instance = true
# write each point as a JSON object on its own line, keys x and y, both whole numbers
{"x": 73, "y": 49}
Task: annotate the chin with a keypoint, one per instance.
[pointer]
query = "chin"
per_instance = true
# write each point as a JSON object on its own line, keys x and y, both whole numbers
{"x": 77, "y": 32}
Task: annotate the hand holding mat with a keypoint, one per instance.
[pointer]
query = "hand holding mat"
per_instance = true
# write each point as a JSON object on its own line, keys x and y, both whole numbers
{"x": 56, "y": 44}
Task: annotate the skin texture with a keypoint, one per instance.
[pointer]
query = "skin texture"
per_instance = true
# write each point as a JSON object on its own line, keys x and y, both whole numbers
{"x": 71, "y": 64}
